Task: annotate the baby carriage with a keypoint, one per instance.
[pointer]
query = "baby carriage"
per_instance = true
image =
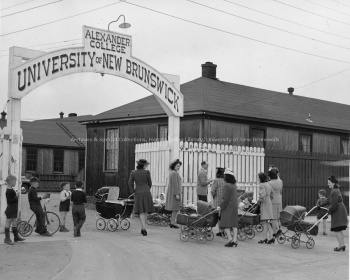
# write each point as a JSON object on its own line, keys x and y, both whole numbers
{"x": 292, "y": 217}
{"x": 160, "y": 216}
{"x": 198, "y": 225}
{"x": 112, "y": 210}
{"x": 247, "y": 220}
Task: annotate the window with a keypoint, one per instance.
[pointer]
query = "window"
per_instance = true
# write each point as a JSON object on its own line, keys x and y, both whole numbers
{"x": 257, "y": 137}
{"x": 345, "y": 146}
{"x": 305, "y": 143}
{"x": 111, "y": 149}
{"x": 163, "y": 132}
{"x": 58, "y": 160}
{"x": 81, "y": 160}
{"x": 32, "y": 158}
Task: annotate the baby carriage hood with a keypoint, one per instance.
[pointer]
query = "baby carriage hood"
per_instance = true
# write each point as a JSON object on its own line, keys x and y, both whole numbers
{"x": 291, "y": 214}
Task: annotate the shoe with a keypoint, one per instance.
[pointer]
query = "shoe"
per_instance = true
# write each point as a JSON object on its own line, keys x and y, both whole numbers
{"x": 78, "y": 233}
{"x": 219, "y": 234}
{"x": 231, "y": 244}
{"x": 75, "y": 232}
{"x": 16, "y": 238}
{"x": 263, "y": 241}
{"x": 342, "y": 248}
{"x": 173, "y": 226}
{"x": 144, "y": 232}
{"x": 36, "y": 230}
{"x": 271, "y": 241}
{"x": 324, "y": 233}
{"x": 46, "y": 233}
{"x": 275, "y": 235}
{"x": 7, "y": 239}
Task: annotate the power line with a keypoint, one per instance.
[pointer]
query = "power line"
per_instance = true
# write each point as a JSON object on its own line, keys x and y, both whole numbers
{"x": 327, "y": 7}
{"x": 324, "y": 78}
{"x": 319, "y": 30}
{"x": 2, "y": 35}
{"x": 340, "y": 3}
{"x": 47, "y": 44}
{"x": 306, "y": 11}
{"x": 31, "y": 8}
{"x": 268, "y": 25}
{"x": 17, "y": 5}
{"x": 237, "y": 35}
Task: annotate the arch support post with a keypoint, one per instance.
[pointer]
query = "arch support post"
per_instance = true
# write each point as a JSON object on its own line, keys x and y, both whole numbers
{"x": 174, "y": 137}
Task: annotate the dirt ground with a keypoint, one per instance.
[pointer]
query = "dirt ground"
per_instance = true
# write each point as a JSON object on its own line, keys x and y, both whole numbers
{"x": 126, "y": 254}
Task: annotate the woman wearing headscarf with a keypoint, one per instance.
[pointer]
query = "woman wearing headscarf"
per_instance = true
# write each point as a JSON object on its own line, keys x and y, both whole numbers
{"x": 143, "y": 203}
{"x": 338, "y": 212}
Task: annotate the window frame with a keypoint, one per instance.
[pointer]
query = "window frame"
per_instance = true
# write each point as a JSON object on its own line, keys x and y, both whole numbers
{"x": 344, "y": 138}
{"x": 53, "y": 161}
{"x": 256, "y": 127}
{"x": 105, "y": 150}
{"x": 167, "y": 132}
{"x": 301, "y": 133}
{"x": 36, "y": 159}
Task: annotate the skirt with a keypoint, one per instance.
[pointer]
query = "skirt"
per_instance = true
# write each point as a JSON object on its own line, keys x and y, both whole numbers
{"x": 276, "y": 210}
{"x": 337, "y": 229}
{"x": 11, "y": 211}
{"x": 143, "y": 203}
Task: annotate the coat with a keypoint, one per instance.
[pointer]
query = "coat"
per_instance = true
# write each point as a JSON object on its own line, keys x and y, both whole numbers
{"x": 337, "y": 209}
{"x": 202, "y": 182}
{"x": 217, "y": 190}
{"x": 229, "y": 207}
{"x": 174, "y": 188}
{"x": 266, "y": 193}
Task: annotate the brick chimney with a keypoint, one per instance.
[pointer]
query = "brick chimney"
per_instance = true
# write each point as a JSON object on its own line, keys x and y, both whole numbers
{"x": 72, "y": 115}
{"x": 209, "y": 70}
{"x": 291, "y": 90}
{"x": 61, "y": 115}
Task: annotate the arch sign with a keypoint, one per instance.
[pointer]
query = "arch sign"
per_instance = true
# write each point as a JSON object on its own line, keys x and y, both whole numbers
{"x": 102, "y": 52}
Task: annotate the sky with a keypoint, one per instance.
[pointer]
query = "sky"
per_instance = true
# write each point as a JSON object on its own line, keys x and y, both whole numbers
{"x": 269, "y": 44}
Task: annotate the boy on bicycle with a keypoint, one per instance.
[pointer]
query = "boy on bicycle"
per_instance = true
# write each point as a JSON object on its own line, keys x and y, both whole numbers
{"x": 35, "y": 206}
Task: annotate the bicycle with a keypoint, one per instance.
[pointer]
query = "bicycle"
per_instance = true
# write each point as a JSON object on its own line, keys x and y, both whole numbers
{"x": 52, "y": 223}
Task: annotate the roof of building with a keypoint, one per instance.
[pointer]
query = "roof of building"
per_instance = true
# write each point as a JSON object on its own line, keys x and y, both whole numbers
{"x": 214, "y": 96}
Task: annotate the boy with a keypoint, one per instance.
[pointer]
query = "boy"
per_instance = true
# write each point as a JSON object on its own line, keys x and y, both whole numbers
{"x": 322, "y": 212}
{"x": 78, "y": 210}
{"x": 11, "y": 211}
{"x": 64, "y": 205}
{"x": 35, "y": 206}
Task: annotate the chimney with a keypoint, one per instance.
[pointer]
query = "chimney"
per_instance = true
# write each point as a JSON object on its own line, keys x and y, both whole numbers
{"x": 72, "y": 115}
{"x": 291, "y": 90}
{"x": 209, "y": 70}
{"x": 61, "y": 115}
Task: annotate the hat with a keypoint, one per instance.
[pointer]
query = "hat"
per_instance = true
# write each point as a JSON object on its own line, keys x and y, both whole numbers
{"x": 220, "y": 168}
{"x": 34, "y": 179}
{"x": 229, "y": 172}
{"x": 10, "y": 177}
{"x": 142, "y": 162}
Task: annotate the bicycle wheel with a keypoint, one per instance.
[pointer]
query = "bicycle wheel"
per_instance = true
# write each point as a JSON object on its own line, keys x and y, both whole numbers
{"x": 52, "y": 222}
{"x": 310, "y": 243}
{"x": 100, "y": 224}
{"x": 241, "y": 235}
{"x": 184, "y": 237}
{"x": 24, "y": 229}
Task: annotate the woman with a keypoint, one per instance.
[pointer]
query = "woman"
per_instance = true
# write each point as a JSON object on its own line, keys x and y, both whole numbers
{"x": 338, "y": 212}
{"x": 173, "y": 196}
{"x": 277, "y": 185}
{"x": 265, "y": 196}
{"x": 217, "y": 191}
{"x": 229, "y": 208}
{"x": 143, "y": 203}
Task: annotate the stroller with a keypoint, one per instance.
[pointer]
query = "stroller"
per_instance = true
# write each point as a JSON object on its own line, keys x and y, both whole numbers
{"x": 198, "y": 225}
{"x": 247, "y": 220}
{"x": 160, "y": 216}
{"x": 292, "y": 217}
{"x": 112, "y": 210}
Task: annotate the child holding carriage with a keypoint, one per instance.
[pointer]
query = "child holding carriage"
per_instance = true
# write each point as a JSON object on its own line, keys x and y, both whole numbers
{"x": 322, "y": 199}
{"x": 11, "y": 211}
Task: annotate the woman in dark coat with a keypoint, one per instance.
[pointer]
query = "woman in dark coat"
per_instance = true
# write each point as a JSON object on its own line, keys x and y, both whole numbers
{"x": 229, "y": 208}
{"x": 143, "y": 199}
{"x": 173, "y": 196}
{"x": 337, "y": 209}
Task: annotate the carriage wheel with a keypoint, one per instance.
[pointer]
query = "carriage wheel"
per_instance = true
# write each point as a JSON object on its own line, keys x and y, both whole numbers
{"x": 249, "y": 232}
{"x": 281, "y": 238}
{"x": 184, "y": 228}
{"x": 192, "y": 233}
{"x": 201, "y": 239}
{"x": 112, "y": 225}
{"x": 125, "y": 224}
{"x": 150, "y": 219}
{"x": 164, "y": 222}
{"x": 295, "y": 242}
{"x": 24, "y": 229}
{"x": 184, "y": 237}
{"x": 259, "y": 228}
{"x": 241, "y": 235}
{"x": 100, "y": 224}
{"x": 310, "y": 243}
{"x": 209, "y": 235}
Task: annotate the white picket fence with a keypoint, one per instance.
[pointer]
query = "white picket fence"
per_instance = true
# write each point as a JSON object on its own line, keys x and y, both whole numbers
{"x": 245, "y": 162}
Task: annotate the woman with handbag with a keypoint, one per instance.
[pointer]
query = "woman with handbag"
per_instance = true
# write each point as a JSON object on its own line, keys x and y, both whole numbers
{"x": 266, "y": 214}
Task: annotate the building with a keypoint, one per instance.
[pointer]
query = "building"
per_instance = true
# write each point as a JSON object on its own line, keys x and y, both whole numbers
{"x": 299, "y": 134}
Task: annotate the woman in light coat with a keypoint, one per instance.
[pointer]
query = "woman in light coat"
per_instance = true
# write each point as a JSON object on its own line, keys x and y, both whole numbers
{"x": 265, "y": 196}
{"x": 173, "y": 196}
{"x": 277, "y": 185}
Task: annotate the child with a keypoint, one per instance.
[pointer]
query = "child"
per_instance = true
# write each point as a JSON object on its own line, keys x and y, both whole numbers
{"x": 322, "y": 212}
{"x": 64, "y": 205}
{"x": 11, "y": 211}
{"x": 160, "y": 200}
{"x": 78, "y": 198}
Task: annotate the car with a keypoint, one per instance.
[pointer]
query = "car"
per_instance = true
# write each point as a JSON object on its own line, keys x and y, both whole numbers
{"x": 25, "y": 185}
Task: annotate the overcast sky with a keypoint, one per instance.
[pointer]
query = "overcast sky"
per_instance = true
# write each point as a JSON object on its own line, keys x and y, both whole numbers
{"x": 266, "y": 44}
